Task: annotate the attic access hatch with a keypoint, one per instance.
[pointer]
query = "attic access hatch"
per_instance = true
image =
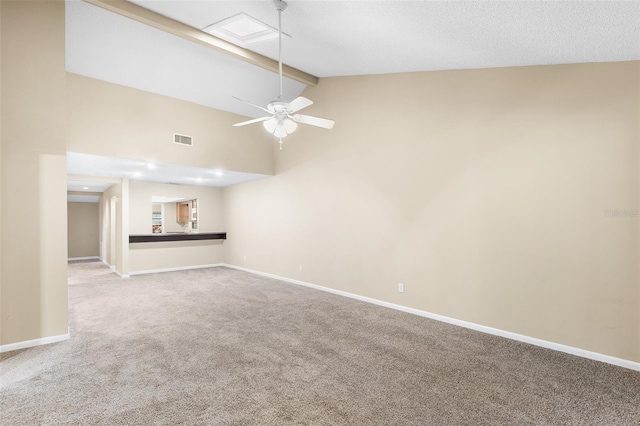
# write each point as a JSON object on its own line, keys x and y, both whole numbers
{"x": 243, "y": 29}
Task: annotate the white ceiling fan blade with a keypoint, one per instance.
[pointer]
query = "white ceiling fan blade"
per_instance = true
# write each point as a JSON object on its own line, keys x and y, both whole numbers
{"x": 255, "y": 120}
{"x": 253, "y": 105}
{"x": 283, "y": 120}
{"x": 298, "y": 103}
{"x": 314, "y": 121}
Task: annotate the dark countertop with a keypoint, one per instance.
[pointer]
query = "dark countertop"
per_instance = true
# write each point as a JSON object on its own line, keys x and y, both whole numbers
{"x": 152, "y": 238}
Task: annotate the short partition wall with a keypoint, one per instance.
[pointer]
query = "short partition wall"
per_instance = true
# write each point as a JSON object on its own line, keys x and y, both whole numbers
{"x": 174, "y": 252}
{"x": 154, "y": 238}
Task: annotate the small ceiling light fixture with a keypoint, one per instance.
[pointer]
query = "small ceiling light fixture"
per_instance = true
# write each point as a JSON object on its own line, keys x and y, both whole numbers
{"x": 85, "y": 187}
{"x": 242, "y": 29}
{"x": 218, "y": 173}
{"x": 151, "y": 166}
{"x": 283, "y": 119}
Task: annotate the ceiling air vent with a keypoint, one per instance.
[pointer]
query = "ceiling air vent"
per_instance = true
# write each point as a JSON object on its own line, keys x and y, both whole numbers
{"x": 182, "y": 139}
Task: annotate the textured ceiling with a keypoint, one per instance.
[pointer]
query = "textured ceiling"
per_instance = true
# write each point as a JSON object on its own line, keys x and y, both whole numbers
{"x": 103, "y": 45}
{"x": 336, "y": 38}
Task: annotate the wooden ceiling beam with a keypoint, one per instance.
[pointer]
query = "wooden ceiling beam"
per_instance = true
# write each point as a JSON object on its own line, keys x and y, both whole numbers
{"x": 148, "y": 17}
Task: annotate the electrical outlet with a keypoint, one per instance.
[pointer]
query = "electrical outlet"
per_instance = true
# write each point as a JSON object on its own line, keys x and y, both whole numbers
{"x": 300, "y": 268}
{"x": 400, "y": 288}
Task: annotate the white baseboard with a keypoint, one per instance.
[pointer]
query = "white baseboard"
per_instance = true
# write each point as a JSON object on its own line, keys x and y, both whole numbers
{"x": 113, "y": 269}
{"x": 103, "y": 261}
{"x": 632, "y": 365}
{"x": 120, "y": 274}
{"x": 83, "y": 258}
{"x": 177, "y": 268}
{"x": 34, "y": 342}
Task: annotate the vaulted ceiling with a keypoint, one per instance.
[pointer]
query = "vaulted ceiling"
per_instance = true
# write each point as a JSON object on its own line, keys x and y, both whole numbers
{"x": 158, "y": 46}
{"x": 338, "y": 38}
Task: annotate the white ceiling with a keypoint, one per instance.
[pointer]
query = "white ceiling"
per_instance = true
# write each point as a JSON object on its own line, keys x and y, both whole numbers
{"x": 85, "y": 190}
{"x": 337, "y": 38}
{"x": 76, "y": 198}
{"x": 87, "y": 186}
{"x": 104, "y": 45}
{"x": 334, "y": 38}
{"x": 109, "y": 167}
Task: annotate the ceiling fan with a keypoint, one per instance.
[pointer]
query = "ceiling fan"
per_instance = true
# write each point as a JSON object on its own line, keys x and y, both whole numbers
{"x": 283, "y": 119}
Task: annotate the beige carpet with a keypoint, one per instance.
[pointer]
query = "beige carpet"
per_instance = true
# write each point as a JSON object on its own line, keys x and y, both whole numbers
{"x": 220, "y": 347}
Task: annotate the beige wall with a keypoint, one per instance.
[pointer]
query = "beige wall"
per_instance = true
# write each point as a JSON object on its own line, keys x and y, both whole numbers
{"x": 33, "y": 206}
{"x": 153, "y": 256}
{"x": 105, "y": 224}
{"x": 1, "y": 222}
{"x": 111, "y": 230}
{"x": 483, "y": 191}
{"x": 83, "y": 229}
{"x": 113, "y": 120}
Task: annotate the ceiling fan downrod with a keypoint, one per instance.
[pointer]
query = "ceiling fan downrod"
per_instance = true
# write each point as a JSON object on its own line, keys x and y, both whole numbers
{"x": 283, "y": 116}
{"x": 280, "y": 6}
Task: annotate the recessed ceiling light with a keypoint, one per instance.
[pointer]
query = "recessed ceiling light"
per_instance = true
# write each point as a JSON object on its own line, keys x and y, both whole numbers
{"x": 85, "y": 187}
{"x": 218, "y": 173}
{"x": 151, "y": 166}
{"x": 242, "y": 29}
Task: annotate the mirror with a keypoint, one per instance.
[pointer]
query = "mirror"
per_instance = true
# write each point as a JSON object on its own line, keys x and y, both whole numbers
{"x": 174, "y": 215}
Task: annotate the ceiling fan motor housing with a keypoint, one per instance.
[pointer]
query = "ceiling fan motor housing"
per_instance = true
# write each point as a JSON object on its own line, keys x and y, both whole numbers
{"x": 280, "y": 5}
{"x": 279, "y": 108}
{"x": 282, "y": 122}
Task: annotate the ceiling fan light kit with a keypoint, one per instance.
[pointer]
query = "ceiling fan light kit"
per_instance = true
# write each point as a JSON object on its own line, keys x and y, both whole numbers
{"x": 283, "y": 119}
